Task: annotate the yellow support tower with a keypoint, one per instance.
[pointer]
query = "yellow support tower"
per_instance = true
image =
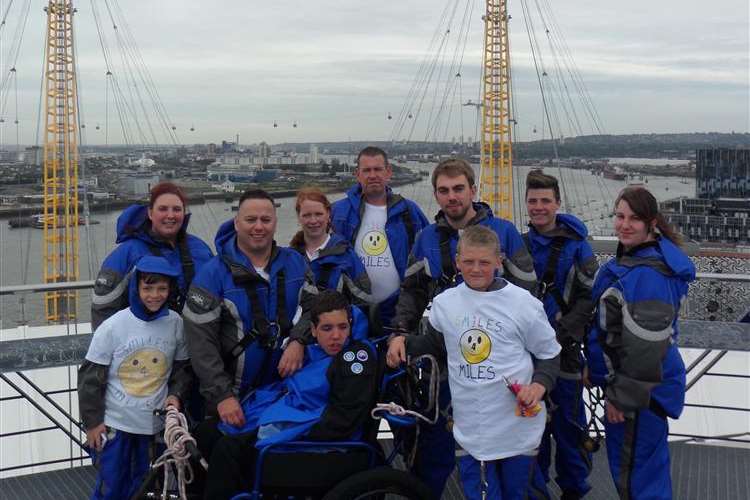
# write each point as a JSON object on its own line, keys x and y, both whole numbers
{"x": 496, "y": 178}
{"x": 60, "y": 162}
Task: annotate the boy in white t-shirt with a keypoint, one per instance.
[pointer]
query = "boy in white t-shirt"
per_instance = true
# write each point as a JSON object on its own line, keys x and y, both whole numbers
{"x": 487, "y": 330}
{"x": 137, "y": 362}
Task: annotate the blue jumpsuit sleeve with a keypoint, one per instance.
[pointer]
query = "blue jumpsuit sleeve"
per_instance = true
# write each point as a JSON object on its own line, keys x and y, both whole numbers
{"x": 111, "y": 285}
{"x": 637, "y": 327}
{"x": 518, "y": 264}
{"x": 413, "y": 299}
{"x": 203, "y": 317}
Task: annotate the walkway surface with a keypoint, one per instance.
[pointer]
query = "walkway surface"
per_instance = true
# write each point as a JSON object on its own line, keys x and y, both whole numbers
{"x": 699, "y": 472}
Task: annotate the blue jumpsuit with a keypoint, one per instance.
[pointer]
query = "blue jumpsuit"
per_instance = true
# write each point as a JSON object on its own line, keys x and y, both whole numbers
{"x": 632, "y": 354}
{"x": 235, "y": 319}
{"x": 135, "y": 239}
{"x": 566, "y": 294}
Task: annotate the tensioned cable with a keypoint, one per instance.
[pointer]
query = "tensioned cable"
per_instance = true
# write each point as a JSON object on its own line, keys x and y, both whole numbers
{"x": 15, "y": 48}
{"x": 556, "y": 85}
{"x": 556, "y": 39}
{"x": 416, "y": 84}
{"x": 576, "y": 77}
{"x": 453, "y": 74}
{"x": 529, "y": 33}
{"x": 150, "y": 85}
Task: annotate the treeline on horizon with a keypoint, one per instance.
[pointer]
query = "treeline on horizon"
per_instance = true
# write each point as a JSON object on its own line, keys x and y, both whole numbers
{"x": 590, "y": 146}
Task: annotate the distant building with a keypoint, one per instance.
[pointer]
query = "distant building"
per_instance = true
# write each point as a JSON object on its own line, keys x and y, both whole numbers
{"x": 138, "y": 184}
{"x": 264, "y": 150}
{"x": 34, "y": 155}
{"x": 314, "y": 154}
{"x": 722, "y": 172}
{"x": 211, "y": 149}
{"x": 725, "y": 220}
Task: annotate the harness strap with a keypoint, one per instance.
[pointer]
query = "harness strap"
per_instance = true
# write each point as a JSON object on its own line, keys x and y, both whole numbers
{"x": 268, "y": 333}
{"x": 409, "y": 226}
{"x": 447, "y": 265}
{"x": 546, "y": 284}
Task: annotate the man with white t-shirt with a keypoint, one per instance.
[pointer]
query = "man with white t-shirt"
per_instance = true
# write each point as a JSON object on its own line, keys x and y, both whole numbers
{"x": 381, "y": 225}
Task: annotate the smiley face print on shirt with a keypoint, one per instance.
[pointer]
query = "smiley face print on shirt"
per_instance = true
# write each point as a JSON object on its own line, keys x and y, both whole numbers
{"x": 475, "y": 345}
{"x": 143, "y": 372}
{"x": 374, "y": 242}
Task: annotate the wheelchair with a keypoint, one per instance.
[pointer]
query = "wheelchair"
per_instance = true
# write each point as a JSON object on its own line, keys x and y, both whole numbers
{"x": 338, "y": 470}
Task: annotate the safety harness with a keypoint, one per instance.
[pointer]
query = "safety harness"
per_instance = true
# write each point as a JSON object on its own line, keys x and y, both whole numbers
{"x": 546, "y": 284}
{"x": 268, "y": 333}
{"x": 447, "y": 265}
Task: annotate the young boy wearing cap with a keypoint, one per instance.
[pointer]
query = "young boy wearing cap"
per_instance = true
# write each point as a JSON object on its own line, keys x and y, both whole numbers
{"x": 137, "y": 362}
{"x": 489, "y": 331}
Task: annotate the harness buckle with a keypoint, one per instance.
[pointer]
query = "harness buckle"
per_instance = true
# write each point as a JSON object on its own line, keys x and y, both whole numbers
{"x": 267, "y": 333}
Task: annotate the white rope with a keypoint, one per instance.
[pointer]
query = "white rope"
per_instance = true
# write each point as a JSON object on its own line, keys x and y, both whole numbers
{"x": 396, "y": 409}
{"x": 434, "y": 387}
{"x": 177, "y": 456}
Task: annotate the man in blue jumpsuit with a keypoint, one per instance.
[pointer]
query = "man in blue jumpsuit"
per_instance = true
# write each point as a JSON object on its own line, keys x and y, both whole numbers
{"x": 431, "y": 270}
{"x": 381, "y": 226}
{"x": 246, "y": 319}
{"x": 566, "y": 266}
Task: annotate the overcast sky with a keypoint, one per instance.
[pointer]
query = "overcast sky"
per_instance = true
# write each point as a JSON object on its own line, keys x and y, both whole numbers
{"x": 339, "y": 68}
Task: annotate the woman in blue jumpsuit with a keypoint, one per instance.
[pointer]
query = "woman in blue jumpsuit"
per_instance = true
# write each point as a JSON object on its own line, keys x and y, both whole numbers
{"x": 157, "y": 229}
{"x": 632, "y": 352}
{"x": 332, "y": 259}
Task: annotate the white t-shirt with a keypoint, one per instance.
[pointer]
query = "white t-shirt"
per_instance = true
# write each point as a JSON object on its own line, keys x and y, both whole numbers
{"x": 140, "y": 355}
{"x": 488, "y": 335}
{"x": 373, "y": 248}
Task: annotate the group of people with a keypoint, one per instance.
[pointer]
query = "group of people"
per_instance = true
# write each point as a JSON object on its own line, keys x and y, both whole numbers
{"x": 263, "y": 343}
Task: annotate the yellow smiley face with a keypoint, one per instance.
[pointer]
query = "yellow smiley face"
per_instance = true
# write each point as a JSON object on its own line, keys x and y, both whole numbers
{"x": 143, "y": 372}
{"x": 475, "y": 346}
{"x": 374, "y": 242}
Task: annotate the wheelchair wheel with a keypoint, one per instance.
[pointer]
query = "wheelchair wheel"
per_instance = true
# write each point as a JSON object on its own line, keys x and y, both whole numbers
{"x": 377, "y": 483}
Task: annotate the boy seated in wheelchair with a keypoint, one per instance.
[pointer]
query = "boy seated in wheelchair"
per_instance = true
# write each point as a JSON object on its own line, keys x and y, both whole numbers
{"x": 489, "y": 332}
{"x": 328, "y": 399}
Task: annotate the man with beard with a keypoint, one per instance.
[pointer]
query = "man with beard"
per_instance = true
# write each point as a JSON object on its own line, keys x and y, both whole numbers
{"x": 432, "y": 269}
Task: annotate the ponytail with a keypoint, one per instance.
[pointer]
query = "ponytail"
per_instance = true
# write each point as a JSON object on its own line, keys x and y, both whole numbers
{"x": 298, "y": 241}
{"x": 667, "y": 230}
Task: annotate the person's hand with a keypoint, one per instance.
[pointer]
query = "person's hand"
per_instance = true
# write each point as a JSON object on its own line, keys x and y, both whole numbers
{"x": 230, "y": 412}
{"x": 530, "y": 395}
{"x": 614, "y": 416}
{"x": 291, "y": 360}
{"x": 585, "y": 377}
{"x": 172, "y": 401}
{"x": 396, "y": 351}
{"x": 94, "y": 437}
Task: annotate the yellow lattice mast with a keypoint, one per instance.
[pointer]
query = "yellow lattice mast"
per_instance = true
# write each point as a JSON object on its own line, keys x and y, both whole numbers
{"x": 60, "y": 161}
{"x": 496, "y": 178}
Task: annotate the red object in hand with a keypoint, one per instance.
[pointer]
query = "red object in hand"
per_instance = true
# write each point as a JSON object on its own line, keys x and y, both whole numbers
{"x": 521, "y": 410}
